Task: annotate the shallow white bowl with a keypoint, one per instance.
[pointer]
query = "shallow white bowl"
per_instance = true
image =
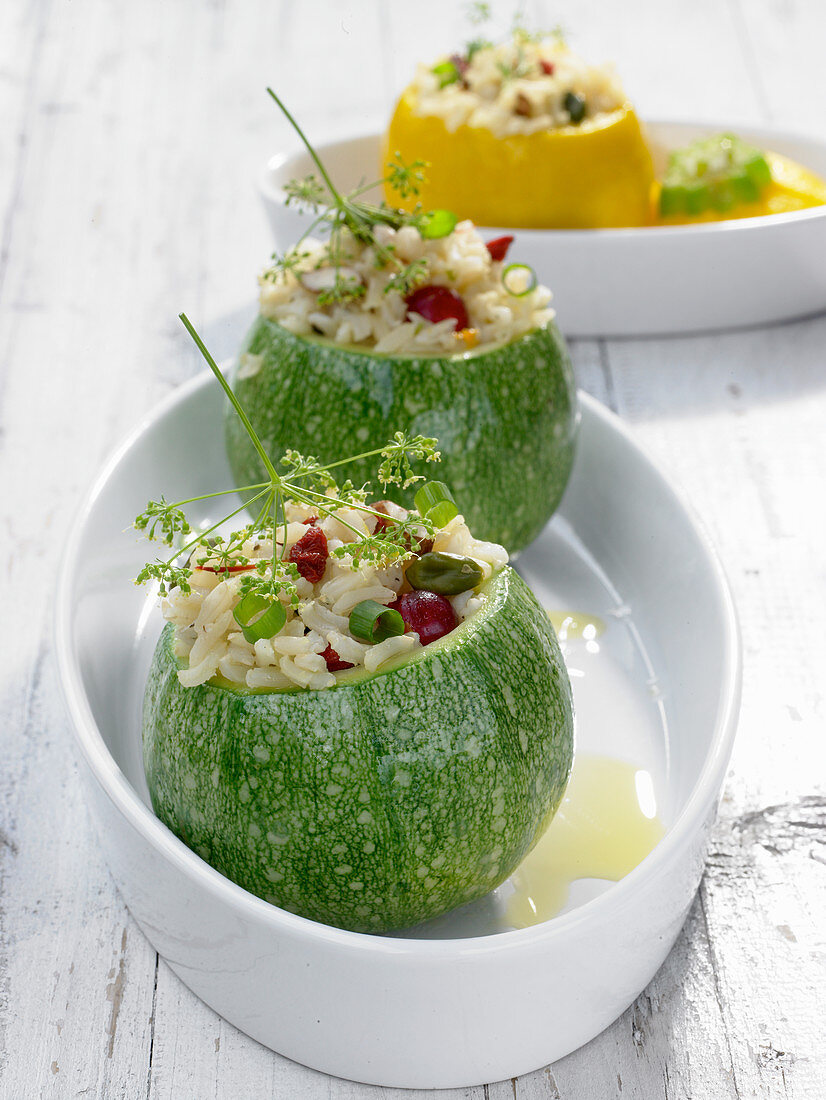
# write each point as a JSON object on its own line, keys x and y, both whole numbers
{"x": 446, "y": 1006}
{"x": 621, "y": 282}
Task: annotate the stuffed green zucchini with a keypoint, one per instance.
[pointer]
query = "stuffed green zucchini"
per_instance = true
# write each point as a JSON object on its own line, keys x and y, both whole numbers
{"x": 357, "y": 711}
{"x": 412, "y": 321}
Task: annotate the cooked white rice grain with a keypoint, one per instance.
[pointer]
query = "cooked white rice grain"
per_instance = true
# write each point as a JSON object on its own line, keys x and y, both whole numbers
{"x": 345, "y": 603}
{"x": 321, "y": 619}
{"x": 234, "y": 671}
{"x": 267, "y": 678}
{"x": 347, "y": 647}
{"x": 385, "y": 651}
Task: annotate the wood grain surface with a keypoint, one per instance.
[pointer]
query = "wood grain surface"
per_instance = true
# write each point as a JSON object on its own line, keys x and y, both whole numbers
{"x": 130, "y": 140}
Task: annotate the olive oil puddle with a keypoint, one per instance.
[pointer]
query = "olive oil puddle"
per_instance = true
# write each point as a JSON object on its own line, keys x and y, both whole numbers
{"x": 606, "y": 825}
{"x": 575, "y": 624}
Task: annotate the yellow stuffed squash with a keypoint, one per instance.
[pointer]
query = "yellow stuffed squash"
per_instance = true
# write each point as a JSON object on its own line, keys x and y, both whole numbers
{"x": 525, "y": 133}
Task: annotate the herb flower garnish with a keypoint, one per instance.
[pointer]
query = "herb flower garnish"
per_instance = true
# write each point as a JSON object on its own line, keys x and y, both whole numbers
{"x": 302, "y": 479}
{"x": 453, "y": 69}
{"x": 348, "y": 217}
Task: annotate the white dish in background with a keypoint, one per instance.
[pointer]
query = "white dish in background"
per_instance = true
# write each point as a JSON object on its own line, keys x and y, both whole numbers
{"x": 622, "y": 282}
{"x": 450, "y": 1005}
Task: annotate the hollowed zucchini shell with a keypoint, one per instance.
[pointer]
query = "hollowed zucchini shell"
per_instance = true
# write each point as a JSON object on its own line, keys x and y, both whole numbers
{"x": 388, "y": 799}
{"x": 505, "y": 418}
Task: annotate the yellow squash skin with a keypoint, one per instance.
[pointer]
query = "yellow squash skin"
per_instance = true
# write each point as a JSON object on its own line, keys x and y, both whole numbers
{"x": 793, "y": 187}
{"x": 597, "y": 175}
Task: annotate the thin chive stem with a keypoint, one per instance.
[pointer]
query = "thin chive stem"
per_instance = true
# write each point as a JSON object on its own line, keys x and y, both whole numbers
{"x": 262, "y": 515}
{"x": 297, "y": 490}
{"x": 337, "y": 504}
{"x": 320, "y": 218}
{"x": 213, "y": 366}
{"x": 364, "y": 187}
{"x": 357, "y": 458}
{"x": 221, "y": 493}
{"x": 203, "y": 534}
{"x": 279, "y": 506}
{"x": 310, "y": 150}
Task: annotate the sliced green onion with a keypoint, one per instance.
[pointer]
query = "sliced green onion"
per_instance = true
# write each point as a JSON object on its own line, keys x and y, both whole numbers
{"x": 434, "y": 501}
{"x": 446, "y": 72}
{"x": 531, "y": 284}
{"x": 373, "y": 622}
{"x": 437, "y": 223}
{"x": 267, "y": 625}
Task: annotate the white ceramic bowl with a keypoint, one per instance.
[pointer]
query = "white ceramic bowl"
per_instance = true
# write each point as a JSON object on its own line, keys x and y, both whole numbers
{"x": 462, "y": 1008}
{"x": 621, "y": 282}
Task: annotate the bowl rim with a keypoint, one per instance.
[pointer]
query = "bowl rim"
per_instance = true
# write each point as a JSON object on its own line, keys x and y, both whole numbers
{"x": 125, "y": 799}
{"x": 273, "y": 193}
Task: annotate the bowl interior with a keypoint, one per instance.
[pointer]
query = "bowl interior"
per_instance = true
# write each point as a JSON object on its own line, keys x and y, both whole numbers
{"x": 655, "y": 689}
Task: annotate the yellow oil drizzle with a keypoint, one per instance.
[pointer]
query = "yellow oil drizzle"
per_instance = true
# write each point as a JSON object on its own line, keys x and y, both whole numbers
{"x": 605, "y": 826}
{"x": 575, "y": 624}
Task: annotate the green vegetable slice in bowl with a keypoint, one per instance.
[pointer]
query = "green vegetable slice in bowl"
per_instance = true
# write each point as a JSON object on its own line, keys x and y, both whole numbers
{"x": 713, "y": 173}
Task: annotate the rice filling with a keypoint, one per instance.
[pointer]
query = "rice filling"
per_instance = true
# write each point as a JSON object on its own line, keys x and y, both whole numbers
{"x": 210, "y": 645}
{"x": 379, "y": 319}
{"x": 520, "y": 86}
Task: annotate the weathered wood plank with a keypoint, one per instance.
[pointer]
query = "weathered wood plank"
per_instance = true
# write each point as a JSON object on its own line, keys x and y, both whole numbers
{"x": 782, "y": 43}
{"x": 734, "y": 418}
{"x": 644, "y": 1054}
{"x": 22, "y": 31}
{"x": 77, "y": 976}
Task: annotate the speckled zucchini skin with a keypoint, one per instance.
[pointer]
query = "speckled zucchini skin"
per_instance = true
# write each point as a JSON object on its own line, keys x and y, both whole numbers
{"x": 505, "y": 419}
{"x": 384, "y": 801}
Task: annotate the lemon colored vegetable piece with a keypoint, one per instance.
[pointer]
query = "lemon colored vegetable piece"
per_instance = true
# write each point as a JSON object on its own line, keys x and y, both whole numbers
{"x": 594, "y": 175}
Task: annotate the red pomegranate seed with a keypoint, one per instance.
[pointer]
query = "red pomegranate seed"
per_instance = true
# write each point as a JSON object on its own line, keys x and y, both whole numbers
{"x": 438, "y": 303}
{"x": 498, "y": 248}
{"x": 546, "y": 66}
{"x": 310, "y": 554}
{"x": 334, "y": 662}
{"x": 427, "y": 614}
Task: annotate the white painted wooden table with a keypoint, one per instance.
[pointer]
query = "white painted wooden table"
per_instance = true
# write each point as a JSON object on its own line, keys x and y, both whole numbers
{"x": 130, "y": 137}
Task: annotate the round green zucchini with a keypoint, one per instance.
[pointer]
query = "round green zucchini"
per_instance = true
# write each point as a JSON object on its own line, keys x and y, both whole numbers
{"x": 505, "y": 418}
{"x": 383, "y": 801}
